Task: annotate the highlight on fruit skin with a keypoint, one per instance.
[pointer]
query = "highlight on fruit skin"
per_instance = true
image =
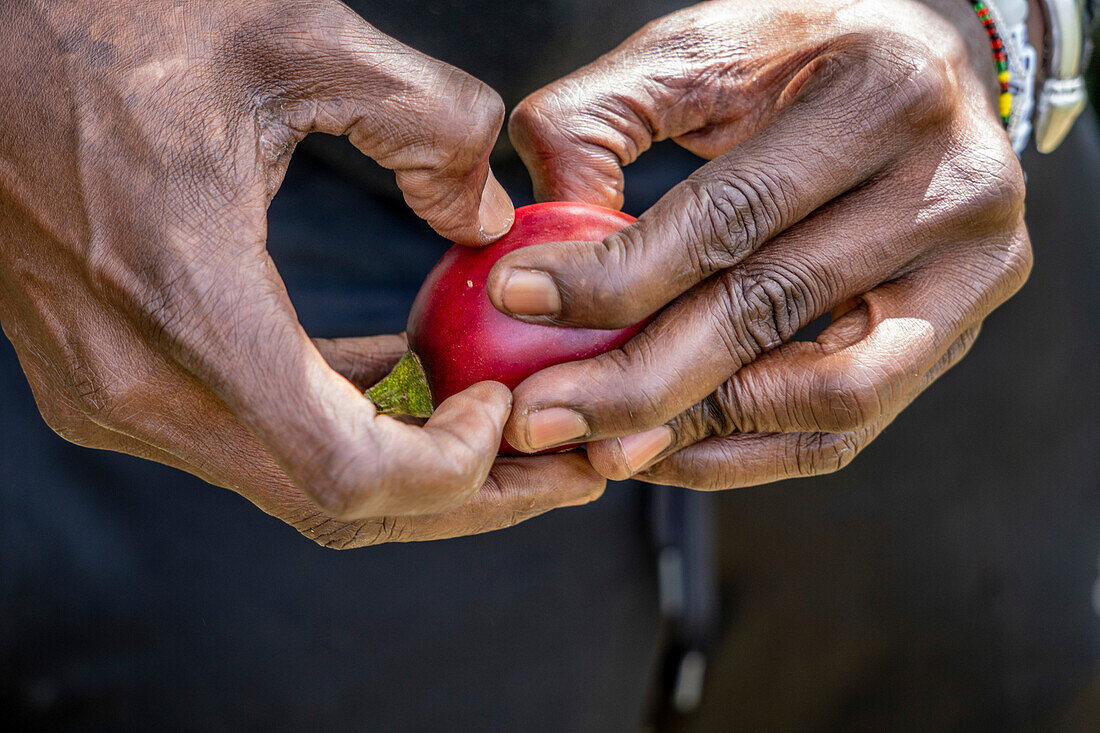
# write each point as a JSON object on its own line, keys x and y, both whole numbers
{"x": 458, "y": 338}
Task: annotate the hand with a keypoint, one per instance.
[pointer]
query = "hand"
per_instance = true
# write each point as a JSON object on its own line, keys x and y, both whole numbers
{"x": 140, "y": 144}
{"x": 858, "y": 167}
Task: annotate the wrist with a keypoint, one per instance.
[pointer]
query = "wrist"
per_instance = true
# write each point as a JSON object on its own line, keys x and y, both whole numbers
{"x": 1012, "y": 63}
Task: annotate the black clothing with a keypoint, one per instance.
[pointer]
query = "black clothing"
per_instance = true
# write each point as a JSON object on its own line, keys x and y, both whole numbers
{"x": 134, "y": 597}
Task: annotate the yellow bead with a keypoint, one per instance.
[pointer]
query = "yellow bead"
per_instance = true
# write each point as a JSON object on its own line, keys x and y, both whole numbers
{"x": 1003, "y": 77}
{"x": 1006, "y": 104}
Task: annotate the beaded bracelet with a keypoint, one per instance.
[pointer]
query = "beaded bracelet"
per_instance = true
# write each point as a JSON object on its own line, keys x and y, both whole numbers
{"x": 1000, "y": 60}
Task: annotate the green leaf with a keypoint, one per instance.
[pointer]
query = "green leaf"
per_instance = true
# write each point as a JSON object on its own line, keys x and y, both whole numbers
{"x": 404, "y": 391}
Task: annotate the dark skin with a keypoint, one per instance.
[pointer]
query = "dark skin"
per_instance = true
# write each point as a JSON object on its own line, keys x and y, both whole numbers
{"x": 857, "y": 166}
{"x": 140, "y": 145}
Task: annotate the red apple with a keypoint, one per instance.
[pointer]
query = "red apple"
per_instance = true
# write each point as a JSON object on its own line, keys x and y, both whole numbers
{"x": 459, "y": 338}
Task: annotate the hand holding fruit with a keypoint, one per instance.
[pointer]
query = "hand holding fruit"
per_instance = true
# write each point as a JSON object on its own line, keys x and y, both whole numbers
{"x": 457, "y": 338}
{"x": 858, "y": 167}
{"x": 140, "y": 144}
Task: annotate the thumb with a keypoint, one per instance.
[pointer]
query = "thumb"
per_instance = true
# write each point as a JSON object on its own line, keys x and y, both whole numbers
{"x": 433, "y": 124}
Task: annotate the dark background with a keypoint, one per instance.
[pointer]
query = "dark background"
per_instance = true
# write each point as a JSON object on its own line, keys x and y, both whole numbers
{"x": 944, "y": 581}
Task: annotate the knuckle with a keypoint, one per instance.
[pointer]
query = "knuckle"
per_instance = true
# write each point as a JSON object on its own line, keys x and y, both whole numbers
{"x": 613, "y": 258}
{"x": 461, "y": 479}
{"x": 445, "y": 178}
{"x": 720, "y": 471}
{"x": 958, "y": 349}
{"x": 547, "y": 122}
{"x": 616, "y": 259}
{"x": 623, "y": 386}
{"x": 1018, "y": 261}
{"x": 925, "y": 93}
{"x": 817, "y": 454}
{"x": 749, "y": 410}
{"x": 335, "y": 479}
{"x": 552, "y": 131}
{"x": 561, "y": 129}
{"x": 106, "y": 394}
{"x": 995, "y": 190}
{"x": 732, "y": 214}
{"x": 1004, "y": 194}
{"x": 764, "y": 311}
{"x": 335, "y": 534}
{"x": 797, "y": 291}
{"x": 696, "y": 470}
{"x": 466, "y": 120}
{"x": 480, "y": 108}
{"x": 900, "y": 80}
{"x": 849, "y": 400}
{"x": 715, "y": 415}
{"x": 68, "y": 421}
{"x": 529, "y": 117}
{"x": 636, "y": 366}
{"x": 504, "y": 505}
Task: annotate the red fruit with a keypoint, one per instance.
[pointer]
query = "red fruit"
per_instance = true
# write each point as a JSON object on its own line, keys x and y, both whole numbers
{"x": 461, "y": 338}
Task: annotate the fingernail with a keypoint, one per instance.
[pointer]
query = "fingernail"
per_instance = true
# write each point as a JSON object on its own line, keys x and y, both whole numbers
{"x": 495, "y": 215}
{"x": 553, "y": 426}
{"x": 641, "y": 448}
{"x": 530, "y": 293}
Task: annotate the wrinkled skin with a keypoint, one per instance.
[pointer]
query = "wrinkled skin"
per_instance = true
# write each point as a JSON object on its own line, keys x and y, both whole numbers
{"x": 857, "y": 166}
{"x": 140, "y": 144}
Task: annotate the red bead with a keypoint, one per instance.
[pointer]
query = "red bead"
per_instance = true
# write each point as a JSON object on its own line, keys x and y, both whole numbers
{"x": 1000, "y": 59}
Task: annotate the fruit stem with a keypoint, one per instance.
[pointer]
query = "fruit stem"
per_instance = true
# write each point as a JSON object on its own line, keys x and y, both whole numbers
{"x": 404, "y": 391}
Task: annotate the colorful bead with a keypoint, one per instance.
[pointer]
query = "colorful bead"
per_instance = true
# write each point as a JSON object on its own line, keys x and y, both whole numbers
{"x": 1000, "y": 60}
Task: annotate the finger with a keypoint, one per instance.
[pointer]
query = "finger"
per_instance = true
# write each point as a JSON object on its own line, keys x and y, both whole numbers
{"x": 865, "y": 365}
{"x": 431, "y": 468}
{"x": 576, "y": 134}
{"x": 120, "y": 396}
{"x": 164, "y": 414}
{"x": 844, "y": 250}
{"x": 514, "y": 491}
{"x": 517, "y": 489}
{"x": 695, "y": 344}
{"x": 862, "y": 369}
{"x": 402, "y": 468}
{"x": 221, "y": 312}
{"x": 213, "y": 301}
{"x": 749, "y": 459}
{"x": 365, "y": 360}
{"x": 806, "y": 156}
{"x": 433, "y": 124}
